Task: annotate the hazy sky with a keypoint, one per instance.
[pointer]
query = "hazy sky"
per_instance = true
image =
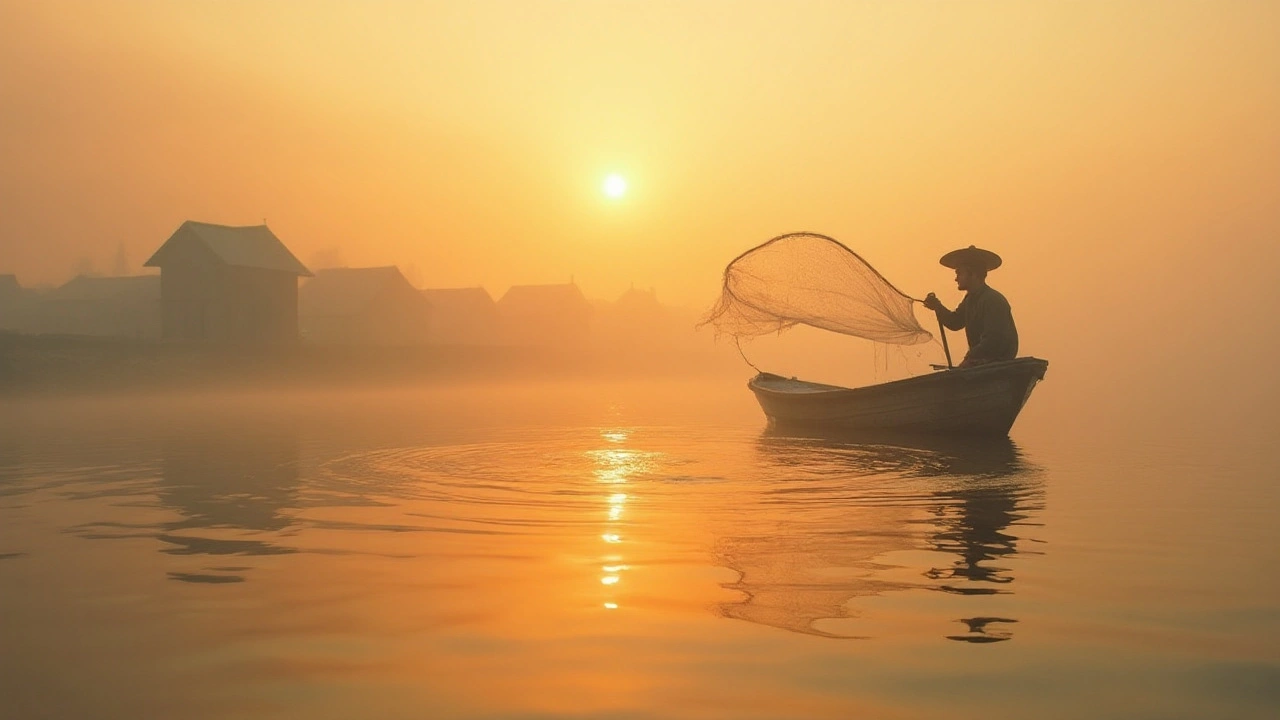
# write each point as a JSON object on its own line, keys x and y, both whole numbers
{"x": 1124, "y": 157}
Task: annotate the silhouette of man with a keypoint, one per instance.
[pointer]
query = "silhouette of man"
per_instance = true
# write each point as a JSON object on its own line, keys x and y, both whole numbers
{"x": 984, "y": 313}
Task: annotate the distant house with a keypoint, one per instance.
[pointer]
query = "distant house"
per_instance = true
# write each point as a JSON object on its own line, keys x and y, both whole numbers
{"x": 11, "y": 300}
{"x": 635, "y": 318}
{"x": 363, "y": 306}
{"x": 462, "y": 316}
{"x": 639, "y": 307}
{"x": 104, "y": 306}
{"x": 545, "y": 315}
{"x": 234, "y": 285}
{"x": 10, "y": 290}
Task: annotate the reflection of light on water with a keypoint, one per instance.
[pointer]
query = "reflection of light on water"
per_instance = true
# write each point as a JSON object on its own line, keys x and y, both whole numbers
{"x": 618, "y": 465}
{"x": 615, "y": 466}
{"x": 616, "y": 501}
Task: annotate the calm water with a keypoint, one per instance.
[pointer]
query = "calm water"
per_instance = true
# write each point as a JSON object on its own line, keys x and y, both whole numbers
{"x": 624, "y": 551}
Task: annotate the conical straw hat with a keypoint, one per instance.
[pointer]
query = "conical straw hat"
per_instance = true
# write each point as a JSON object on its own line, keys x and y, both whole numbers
{"x": 971, "y": 257}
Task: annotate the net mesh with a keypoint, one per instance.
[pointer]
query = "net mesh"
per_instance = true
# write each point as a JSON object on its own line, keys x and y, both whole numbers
{"x": 811, "y": 279}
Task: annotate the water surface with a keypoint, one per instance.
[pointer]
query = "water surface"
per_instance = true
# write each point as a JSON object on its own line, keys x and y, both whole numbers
{"x": 618, "y": 551}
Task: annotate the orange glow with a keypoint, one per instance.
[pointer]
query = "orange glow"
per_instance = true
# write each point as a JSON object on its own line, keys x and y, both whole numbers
{"x": 1050, "y": 130}
{"x": 1109, "y": 151}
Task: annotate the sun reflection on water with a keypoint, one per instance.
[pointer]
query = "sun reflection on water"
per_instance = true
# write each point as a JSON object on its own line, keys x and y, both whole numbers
{"x": 616, "y": 466}
{"x": 615, "y": 436}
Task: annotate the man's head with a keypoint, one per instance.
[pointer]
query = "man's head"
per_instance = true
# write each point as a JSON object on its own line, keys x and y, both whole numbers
{"x": 970, "y": 277}
{"x": 971, "y": 265}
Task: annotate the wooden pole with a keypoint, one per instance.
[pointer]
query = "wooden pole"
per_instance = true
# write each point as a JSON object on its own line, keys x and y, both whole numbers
{"x": 942, "y": 333}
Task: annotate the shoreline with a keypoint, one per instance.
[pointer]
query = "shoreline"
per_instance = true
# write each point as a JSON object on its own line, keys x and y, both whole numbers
{"x": 57, "y": 365}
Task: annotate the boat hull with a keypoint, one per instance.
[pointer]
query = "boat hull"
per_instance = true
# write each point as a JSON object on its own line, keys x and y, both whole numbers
{"x": 983, "y": 400}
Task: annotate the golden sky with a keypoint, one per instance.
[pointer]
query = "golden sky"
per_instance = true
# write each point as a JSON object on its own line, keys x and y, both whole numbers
{"x": 1122, "y": 156}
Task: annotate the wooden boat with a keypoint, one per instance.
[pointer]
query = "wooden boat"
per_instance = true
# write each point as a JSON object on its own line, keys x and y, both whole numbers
{"x": 982, "y": 400}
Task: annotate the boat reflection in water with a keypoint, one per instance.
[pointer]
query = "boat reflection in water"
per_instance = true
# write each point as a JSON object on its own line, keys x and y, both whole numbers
{"x": 856, "y": 513}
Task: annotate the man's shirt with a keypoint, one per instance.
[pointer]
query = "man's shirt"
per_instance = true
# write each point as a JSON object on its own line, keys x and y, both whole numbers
{"x": 987, "y": 321}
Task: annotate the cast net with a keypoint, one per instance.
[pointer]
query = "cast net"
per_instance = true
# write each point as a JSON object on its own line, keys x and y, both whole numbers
{"x": 811, "y": 279}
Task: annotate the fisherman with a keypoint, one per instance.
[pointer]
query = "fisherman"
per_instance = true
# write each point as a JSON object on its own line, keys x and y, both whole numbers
{"x": 984, "y": 314}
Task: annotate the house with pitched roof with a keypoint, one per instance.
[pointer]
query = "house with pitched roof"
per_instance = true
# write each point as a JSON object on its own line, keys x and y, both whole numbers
{"x": 11, "y": 302}
{"x": 127, "y": 307}
{"x": 636, "y": 319}
{"x": 10, "y": 290}
{"x": 545, "y": 315}
{"x": 463, "y": 316}
{"x": 363, "y": 306}
{"x": 228, "y": 285}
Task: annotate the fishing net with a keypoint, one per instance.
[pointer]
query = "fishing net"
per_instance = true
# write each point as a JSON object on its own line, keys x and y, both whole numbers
{"x": 811, "y": 279}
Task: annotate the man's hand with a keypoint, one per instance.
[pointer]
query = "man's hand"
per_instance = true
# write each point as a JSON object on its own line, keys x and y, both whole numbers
{"x": 932, "y": 302}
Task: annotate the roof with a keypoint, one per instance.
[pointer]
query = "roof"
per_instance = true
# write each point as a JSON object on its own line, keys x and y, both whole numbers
{"x": 543, "y": 297}
{"x": 85, "y": 287}
{"x": 252, "y": 246}
{"x": 460, "y": 300}
{"x": 10, "y": 290}
{"x": 347, "y": 291}
{"x": 638, "y": 300}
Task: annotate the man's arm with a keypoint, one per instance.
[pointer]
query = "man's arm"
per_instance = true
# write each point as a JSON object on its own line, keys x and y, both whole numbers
{"x": 951, "y": 320}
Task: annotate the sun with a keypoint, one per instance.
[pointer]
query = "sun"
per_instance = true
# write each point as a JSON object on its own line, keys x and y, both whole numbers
{"x": 615, "y": 186}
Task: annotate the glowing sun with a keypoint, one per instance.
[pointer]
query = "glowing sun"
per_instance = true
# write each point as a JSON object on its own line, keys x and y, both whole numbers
{"x": 615, "y": 186}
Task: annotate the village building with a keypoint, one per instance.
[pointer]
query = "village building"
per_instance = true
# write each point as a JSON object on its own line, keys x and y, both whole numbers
{"x": 11, "y": 297}
{"x": 463, "y": 316}
{"x": 636, "y": 318}
{"x": 10, "y": 289}
{"x": 228, "y": 285}
{"x": 639, "y": 309}
{"x": 363, "y": 306}
{"x": 545, "y": 315}
{"x": 125, "y": 307}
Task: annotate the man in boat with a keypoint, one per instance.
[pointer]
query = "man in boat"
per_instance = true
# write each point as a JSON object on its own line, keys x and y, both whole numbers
{"x": 984, "y": 314}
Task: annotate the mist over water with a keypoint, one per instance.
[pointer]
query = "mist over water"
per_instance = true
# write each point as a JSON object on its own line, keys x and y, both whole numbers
{"x": 616, "y": 549}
